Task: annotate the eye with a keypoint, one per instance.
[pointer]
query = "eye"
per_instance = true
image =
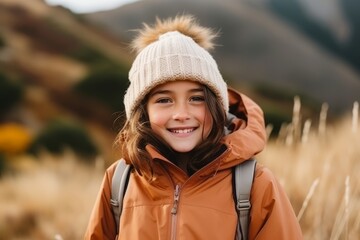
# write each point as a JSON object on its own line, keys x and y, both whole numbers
{"x": 197, "y": 99}
{"x": 163, "y": 100}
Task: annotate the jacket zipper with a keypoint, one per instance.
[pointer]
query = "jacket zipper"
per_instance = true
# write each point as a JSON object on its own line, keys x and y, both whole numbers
{"x": 177, "y": 197}
{"x": 174, "y": 211}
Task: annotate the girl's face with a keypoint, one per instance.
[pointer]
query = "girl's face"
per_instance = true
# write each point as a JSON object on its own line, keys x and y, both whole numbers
{"x": 178, "y": 114}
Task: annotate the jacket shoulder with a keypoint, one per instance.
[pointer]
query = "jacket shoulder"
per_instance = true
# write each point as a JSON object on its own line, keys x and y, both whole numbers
{"x": 272, "y": 215}
{"x": 265, "y": 183}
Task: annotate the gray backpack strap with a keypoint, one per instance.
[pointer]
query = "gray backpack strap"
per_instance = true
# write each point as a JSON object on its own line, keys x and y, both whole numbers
{"x": 244, "y": 176}
{"x": 118, "y": 187}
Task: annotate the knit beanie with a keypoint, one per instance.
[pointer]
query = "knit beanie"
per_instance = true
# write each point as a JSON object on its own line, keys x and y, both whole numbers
{"x": 173, "y": 49}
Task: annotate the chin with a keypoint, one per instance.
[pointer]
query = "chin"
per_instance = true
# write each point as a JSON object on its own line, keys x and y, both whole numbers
{"x": 183, "y": 150}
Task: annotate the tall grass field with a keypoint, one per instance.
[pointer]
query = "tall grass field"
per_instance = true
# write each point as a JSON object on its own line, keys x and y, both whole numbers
{"x": 318, "y": 165}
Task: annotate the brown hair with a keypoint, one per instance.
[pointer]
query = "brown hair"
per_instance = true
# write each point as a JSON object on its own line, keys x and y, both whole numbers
{"x": 137, "y": 133}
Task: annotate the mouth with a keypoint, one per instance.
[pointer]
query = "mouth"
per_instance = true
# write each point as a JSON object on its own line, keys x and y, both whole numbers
{"x": 182, "y": 130}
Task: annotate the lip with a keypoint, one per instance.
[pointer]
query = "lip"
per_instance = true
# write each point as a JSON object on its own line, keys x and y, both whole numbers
{"x": 182, "y": 131}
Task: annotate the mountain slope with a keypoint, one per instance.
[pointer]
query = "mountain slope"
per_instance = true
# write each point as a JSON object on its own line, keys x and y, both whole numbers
{"x": 255, "y": 48}
{"x": 49, "y": 51}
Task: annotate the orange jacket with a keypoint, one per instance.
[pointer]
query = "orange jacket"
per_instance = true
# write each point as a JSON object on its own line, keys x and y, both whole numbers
{"x": 175, "y": 206}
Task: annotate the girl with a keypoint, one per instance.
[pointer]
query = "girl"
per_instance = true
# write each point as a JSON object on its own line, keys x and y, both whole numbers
{"x": 182, "y": 150}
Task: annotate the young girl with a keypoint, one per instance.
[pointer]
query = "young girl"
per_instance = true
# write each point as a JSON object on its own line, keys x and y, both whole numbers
{"x": 182, "y": 149}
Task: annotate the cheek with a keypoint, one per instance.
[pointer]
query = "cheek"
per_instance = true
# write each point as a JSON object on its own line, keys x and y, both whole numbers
{"x": 156, "y": 118}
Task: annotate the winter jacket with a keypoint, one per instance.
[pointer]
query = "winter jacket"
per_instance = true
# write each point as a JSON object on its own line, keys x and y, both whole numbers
{"x": 176, "y": 206}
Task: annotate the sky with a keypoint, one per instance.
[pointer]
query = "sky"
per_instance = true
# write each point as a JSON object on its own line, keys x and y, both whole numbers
{"x": 87, "y": 6}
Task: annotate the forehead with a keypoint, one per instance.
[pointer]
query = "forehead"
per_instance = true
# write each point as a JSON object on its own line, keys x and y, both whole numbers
{"x": 178, "y": 85}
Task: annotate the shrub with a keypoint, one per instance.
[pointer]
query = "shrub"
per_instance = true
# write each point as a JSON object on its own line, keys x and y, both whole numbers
{"x": 276, "y": 119}
{"x": 275, "y": 93}
{"x": 11, "y": 93}
{"x": 60, "y": 134}
{"x": 14, "y": 138}
{"x": 106, "y": 85}
{"x": 88, "y": 55}
{"x": 286, "y": 95}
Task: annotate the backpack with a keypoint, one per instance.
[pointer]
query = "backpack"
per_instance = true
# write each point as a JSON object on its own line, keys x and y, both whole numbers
{"x": 243, "y": 175}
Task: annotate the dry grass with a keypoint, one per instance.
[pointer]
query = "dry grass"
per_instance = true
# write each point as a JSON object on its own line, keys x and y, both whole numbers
{"x": 320, "y": 175}
{"x": 47, "y": 198}
{"x": 52, "y": 198}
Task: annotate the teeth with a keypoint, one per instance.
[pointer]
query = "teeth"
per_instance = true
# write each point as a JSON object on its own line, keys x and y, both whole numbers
{"x": 182, "y": 130}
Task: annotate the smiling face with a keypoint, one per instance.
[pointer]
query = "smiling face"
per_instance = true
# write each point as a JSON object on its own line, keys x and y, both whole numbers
{"x": 178, "y": 114}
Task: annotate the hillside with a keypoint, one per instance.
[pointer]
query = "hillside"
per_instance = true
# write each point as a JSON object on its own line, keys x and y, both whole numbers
{"x": 50, "y": 51}
{"x": 256, "y": 49}
{"x": 332, "y": 24}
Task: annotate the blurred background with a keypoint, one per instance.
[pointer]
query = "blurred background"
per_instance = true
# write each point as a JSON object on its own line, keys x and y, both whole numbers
{"x": 63, "y": 73}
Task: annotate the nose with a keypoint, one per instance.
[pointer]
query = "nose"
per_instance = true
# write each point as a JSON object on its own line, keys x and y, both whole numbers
{"x": 181, "y": 112}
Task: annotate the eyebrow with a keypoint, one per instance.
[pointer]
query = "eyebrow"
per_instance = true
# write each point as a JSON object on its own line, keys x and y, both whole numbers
{"x": 165, "y": 91}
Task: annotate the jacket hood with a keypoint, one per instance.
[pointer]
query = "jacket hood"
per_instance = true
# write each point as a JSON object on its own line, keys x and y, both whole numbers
{"x": 247, "y": 135}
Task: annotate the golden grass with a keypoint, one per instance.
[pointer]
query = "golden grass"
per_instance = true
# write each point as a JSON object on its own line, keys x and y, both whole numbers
{"x": 320, "y": 175}
{"x": 51, "y": 198}
{"x": 47, "y": 198}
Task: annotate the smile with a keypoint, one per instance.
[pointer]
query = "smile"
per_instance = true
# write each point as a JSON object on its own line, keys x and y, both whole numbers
{"x": 182, "y": 131}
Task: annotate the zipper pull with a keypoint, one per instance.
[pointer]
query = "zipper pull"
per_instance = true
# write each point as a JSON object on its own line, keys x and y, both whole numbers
{"x": 176, "y": 200}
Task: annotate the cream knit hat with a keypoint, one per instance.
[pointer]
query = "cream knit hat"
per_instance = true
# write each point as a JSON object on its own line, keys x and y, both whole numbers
{"x": 173, "y": 50}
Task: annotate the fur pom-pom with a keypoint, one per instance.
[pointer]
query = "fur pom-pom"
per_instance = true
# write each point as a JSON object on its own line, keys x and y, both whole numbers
{"x": 184, "y": 24}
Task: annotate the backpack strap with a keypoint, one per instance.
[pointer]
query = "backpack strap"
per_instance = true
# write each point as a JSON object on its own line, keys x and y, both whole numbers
{"x": 244, "y": 176}
{"x": 118, "y": 188}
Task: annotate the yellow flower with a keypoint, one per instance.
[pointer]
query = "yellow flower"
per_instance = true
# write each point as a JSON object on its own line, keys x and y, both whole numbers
{"x": 14, "y": 138}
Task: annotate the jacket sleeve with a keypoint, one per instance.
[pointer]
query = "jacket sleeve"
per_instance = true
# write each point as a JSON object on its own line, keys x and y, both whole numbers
{"x": 271, "y": 216}
{"x": 101, "y": 224}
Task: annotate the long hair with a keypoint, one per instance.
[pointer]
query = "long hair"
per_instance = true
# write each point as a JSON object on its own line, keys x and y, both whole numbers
{"x": 137, "y": 133}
